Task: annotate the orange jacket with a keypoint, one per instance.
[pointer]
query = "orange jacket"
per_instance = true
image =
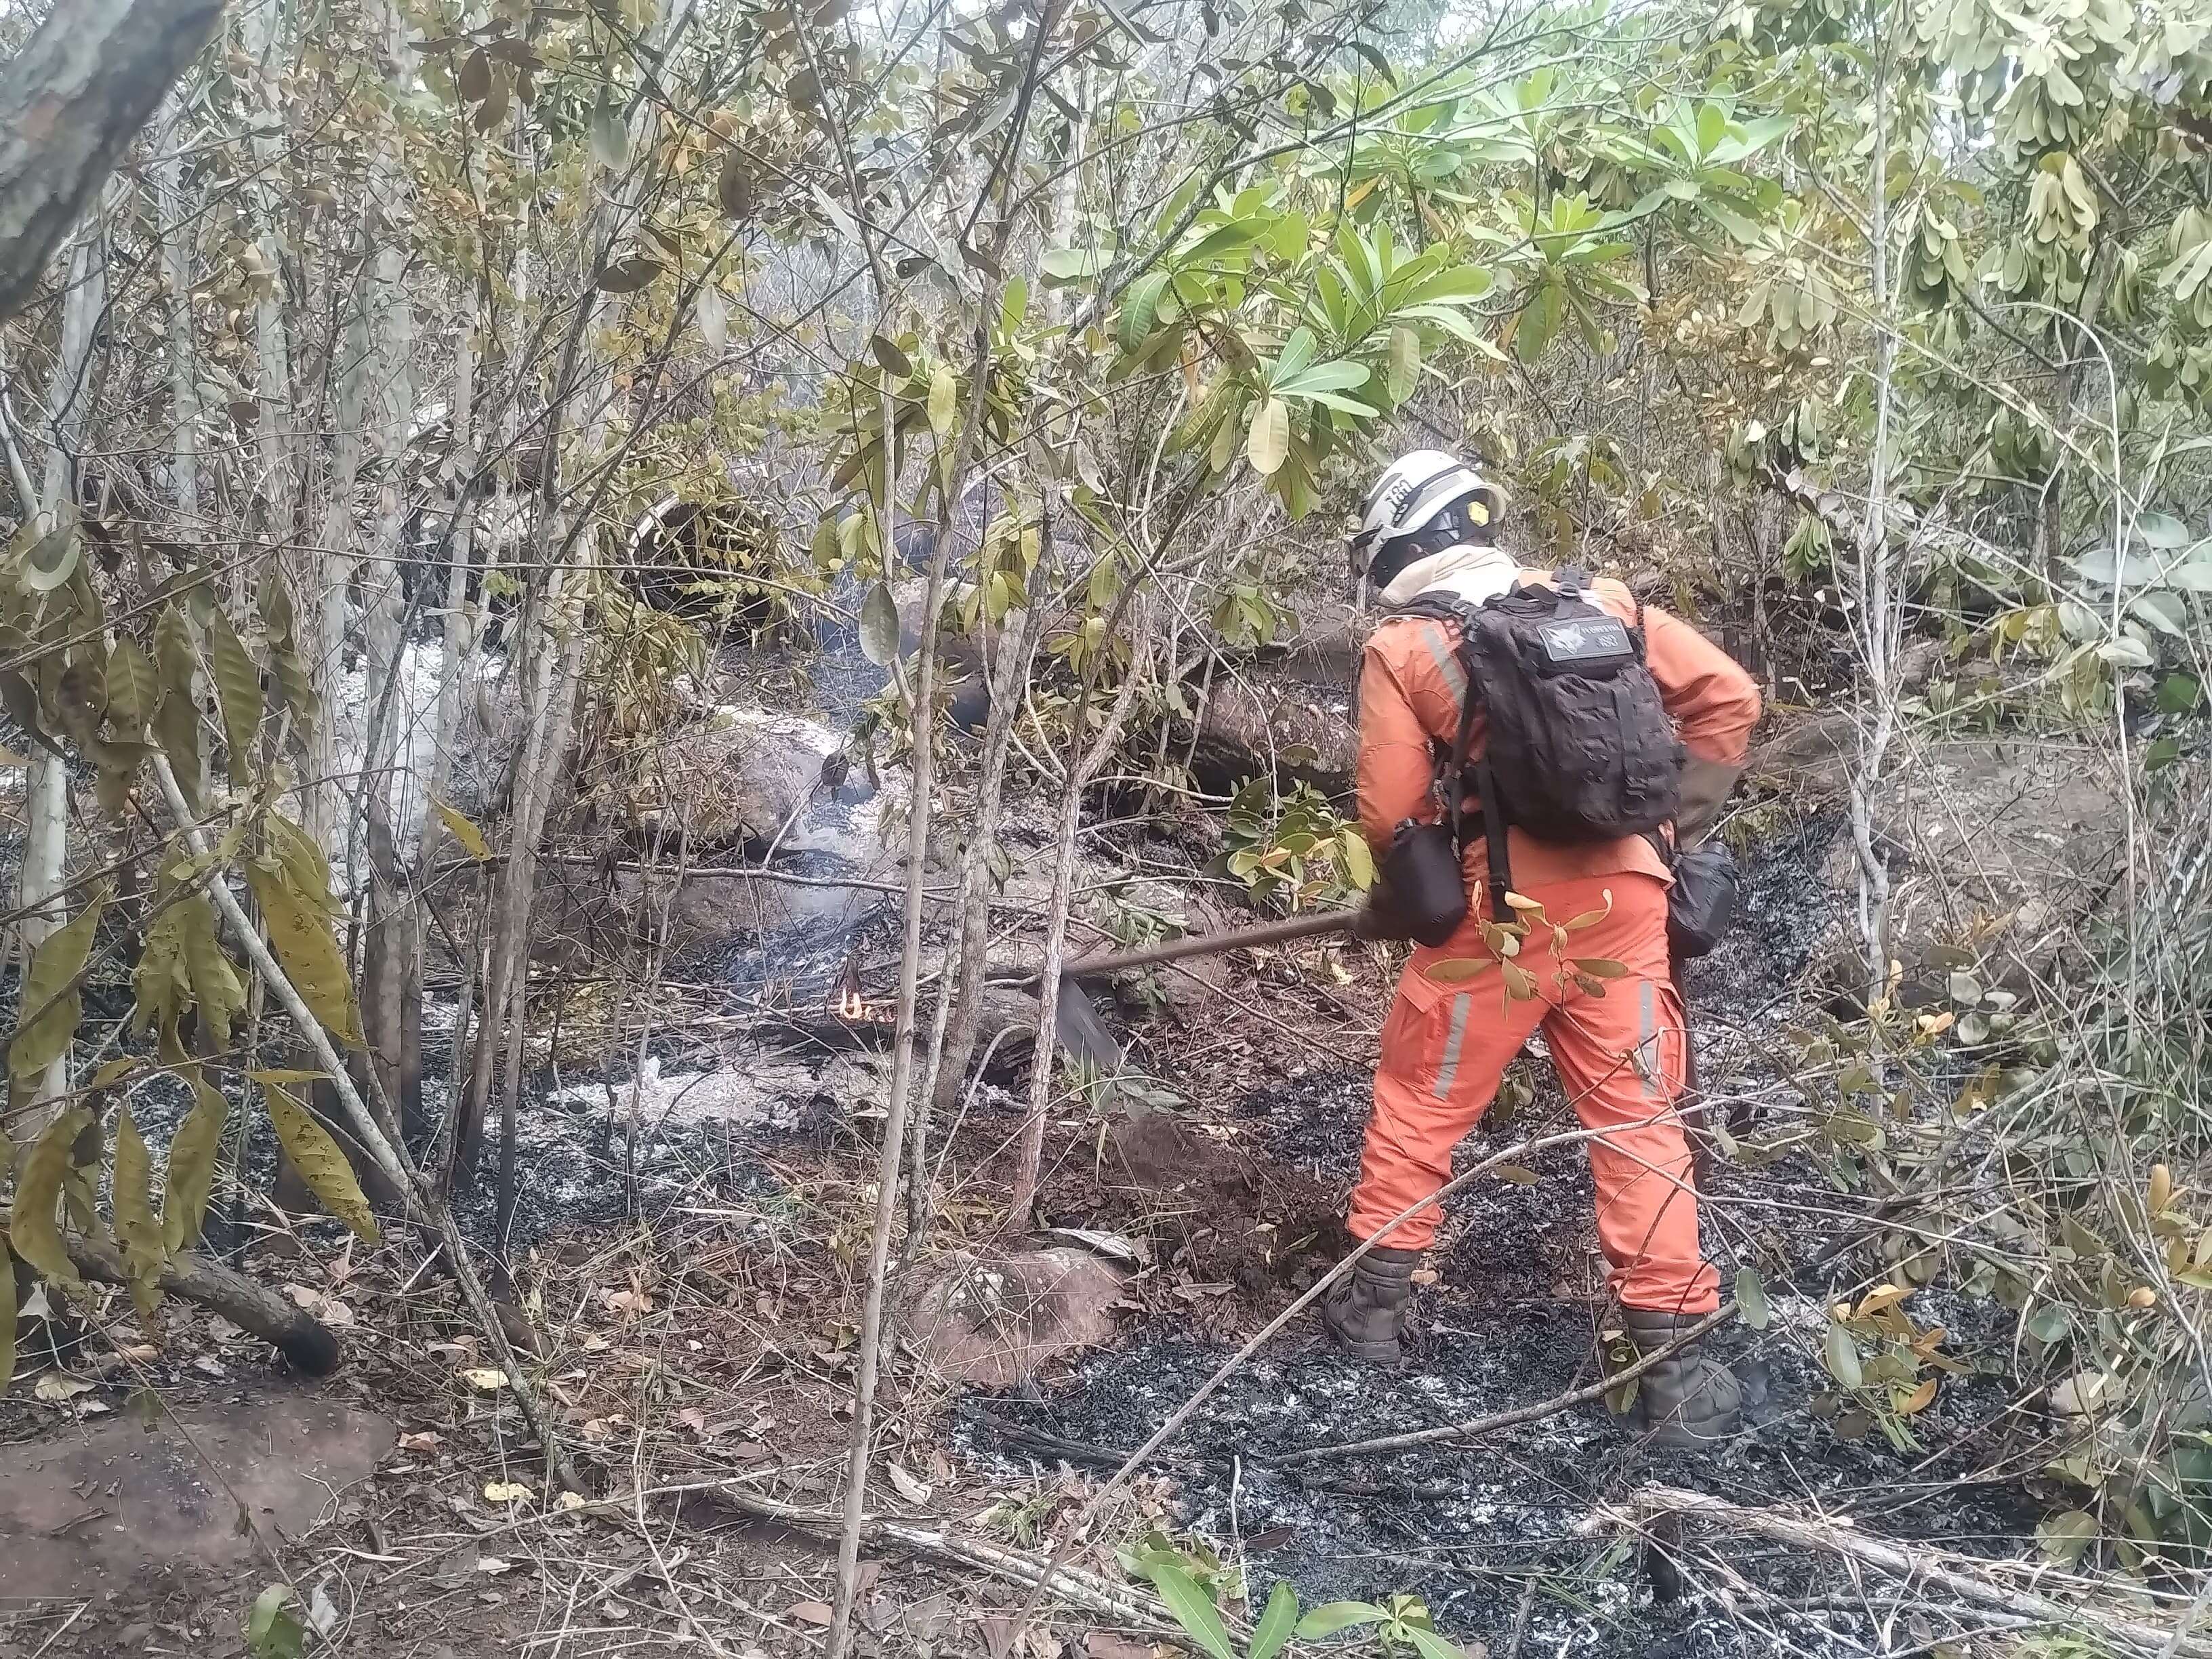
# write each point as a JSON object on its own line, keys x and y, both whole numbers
{"x": 1410, "y": 686}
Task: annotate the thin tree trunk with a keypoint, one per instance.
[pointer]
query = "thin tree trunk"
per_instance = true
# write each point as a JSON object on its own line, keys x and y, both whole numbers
{"x": 549, "y": 714}
{"x": 45, "y": 835}
{"x": 895, "y": 1120}
{"x": 2051, "y": 522}
{"x": 1874, "y": 573}
{"x": 184, "y": 358}
{"x": 70, "y": 102}
{"x": 960, "y": 1008}
{"x": 391, "y": 945}
{"x": 1083, "y": 764}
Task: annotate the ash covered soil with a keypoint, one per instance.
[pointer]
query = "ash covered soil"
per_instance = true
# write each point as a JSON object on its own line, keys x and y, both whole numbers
{"x": 1493, "y": 1534}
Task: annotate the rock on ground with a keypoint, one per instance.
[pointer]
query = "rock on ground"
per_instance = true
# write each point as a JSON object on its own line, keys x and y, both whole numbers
{"x": 992, "y": 1321}
{"x": 746, "y": 775}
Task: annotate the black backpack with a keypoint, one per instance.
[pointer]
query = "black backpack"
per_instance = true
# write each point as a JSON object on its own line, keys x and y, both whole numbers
{"x": 1579, "y": 744}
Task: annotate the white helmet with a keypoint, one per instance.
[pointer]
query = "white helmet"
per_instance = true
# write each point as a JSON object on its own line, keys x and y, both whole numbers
{"x": 1418, "y": 491}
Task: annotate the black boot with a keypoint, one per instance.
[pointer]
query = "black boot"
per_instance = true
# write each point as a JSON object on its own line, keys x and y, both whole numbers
{"x": 1366, "y": 1316}
{"x": 1684, "y": 1400}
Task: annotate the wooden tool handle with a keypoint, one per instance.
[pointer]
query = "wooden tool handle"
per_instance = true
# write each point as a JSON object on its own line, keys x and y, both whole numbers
{"x": 1206, "y": 944}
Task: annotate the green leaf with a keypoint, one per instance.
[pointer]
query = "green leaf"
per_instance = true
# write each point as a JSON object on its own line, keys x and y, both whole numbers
{"x": 465, "y": 831}
{"x": 629, "y": 274}
{"x": 609, "y": 135}
{"x": 215, "y": 982}
{"x": 50, "y": 1004}
{"x": 308, "y": 948}
{"x": 7, "y": 1313}
{"x": 2179, "y": 693}
{"x": 1429, "y": 1645}
{"x": 1276, "y": 1623}
{"x": 890, "y": 356}
{"x": 1712, "y": 127}
{"x": 1236, "y": 234}
{"x": 1068, "y": 265}
{"x": 734, "y": 189}
{"x": 2066, "y": 1538}
{"x": 273, "y": 1631}
{"x": 1457, "y": 286}
{"x": 1405, "y": 369}
{"x": 880, "y": 626}
{"x": 136, "y": 1227}
{"x": 944, "y": 399}
{"x": 1517, "y": 1175}
{"x": 1751, "y": 1299}
{"x": 1138, "y": 310}
{"x": 131, "y": 689}
{"x": 2162, "y": 530}
{"x": 189, "y": 1178}
{"x": 238, "y": 690}
{"x": 1358, "y": 861}
{"x": 1602, "y": 967}
{"x": 33, "y": 1228}
{"x": 1842, "y": 1357}
{"x": 1332, "y": 1617}
{"x": 1192, "y": 1608}
{"x": 52, "y": 558}
{"x": 1269, "y": 442}
{"x": 321, "y": 1163}
{"x": 1297, "y": 351}
{"x": 1340, "y": 376}
{"x": 1457, "y": 970}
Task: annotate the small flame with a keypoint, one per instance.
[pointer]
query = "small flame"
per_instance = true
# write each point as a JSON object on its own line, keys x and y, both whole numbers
{"x": 852, "y": 1007}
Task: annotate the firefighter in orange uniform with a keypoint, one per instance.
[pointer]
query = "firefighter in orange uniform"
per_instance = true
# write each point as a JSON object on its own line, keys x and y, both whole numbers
{"x": 1617, "y": 1043}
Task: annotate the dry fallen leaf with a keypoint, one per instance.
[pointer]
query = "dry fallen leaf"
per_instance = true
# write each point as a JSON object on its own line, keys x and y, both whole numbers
{"x": 809, "y": 1612}
{"x": 53, "y": 1388}
{"x": 694, "y": 1420}
{"x": 913, "y": 1491}
{"x": 505, "y": 1491}
{"x": 1105, "y": 1644}
{"x": 490, "y": 1379}
{"x": 569, "y": 1501}
{"x": 492, "y": 1564}
{"x": 426, "y": 1441}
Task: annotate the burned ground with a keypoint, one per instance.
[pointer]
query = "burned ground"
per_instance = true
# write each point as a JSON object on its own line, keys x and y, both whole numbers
{"x": 699, "y": 1298}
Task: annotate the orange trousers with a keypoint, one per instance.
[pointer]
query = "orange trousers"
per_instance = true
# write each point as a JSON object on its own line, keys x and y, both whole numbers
{"x": 1620, "y": 1057}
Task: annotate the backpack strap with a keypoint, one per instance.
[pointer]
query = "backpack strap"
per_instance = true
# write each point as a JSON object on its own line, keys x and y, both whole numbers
{"x": 1455, "y": 768}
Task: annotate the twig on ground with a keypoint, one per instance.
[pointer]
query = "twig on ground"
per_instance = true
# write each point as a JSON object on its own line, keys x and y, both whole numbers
{"x": 1522, "y": 1614}
{"x": 1088, "y": 1592}
{"x": 1915, "y": 1564}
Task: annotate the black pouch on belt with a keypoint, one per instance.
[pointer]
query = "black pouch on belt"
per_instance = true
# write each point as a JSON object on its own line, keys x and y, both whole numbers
{"x": 1420, "y": 886}
{"x": 1703, "y": 902}
{"x": 1420, "y": 892}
